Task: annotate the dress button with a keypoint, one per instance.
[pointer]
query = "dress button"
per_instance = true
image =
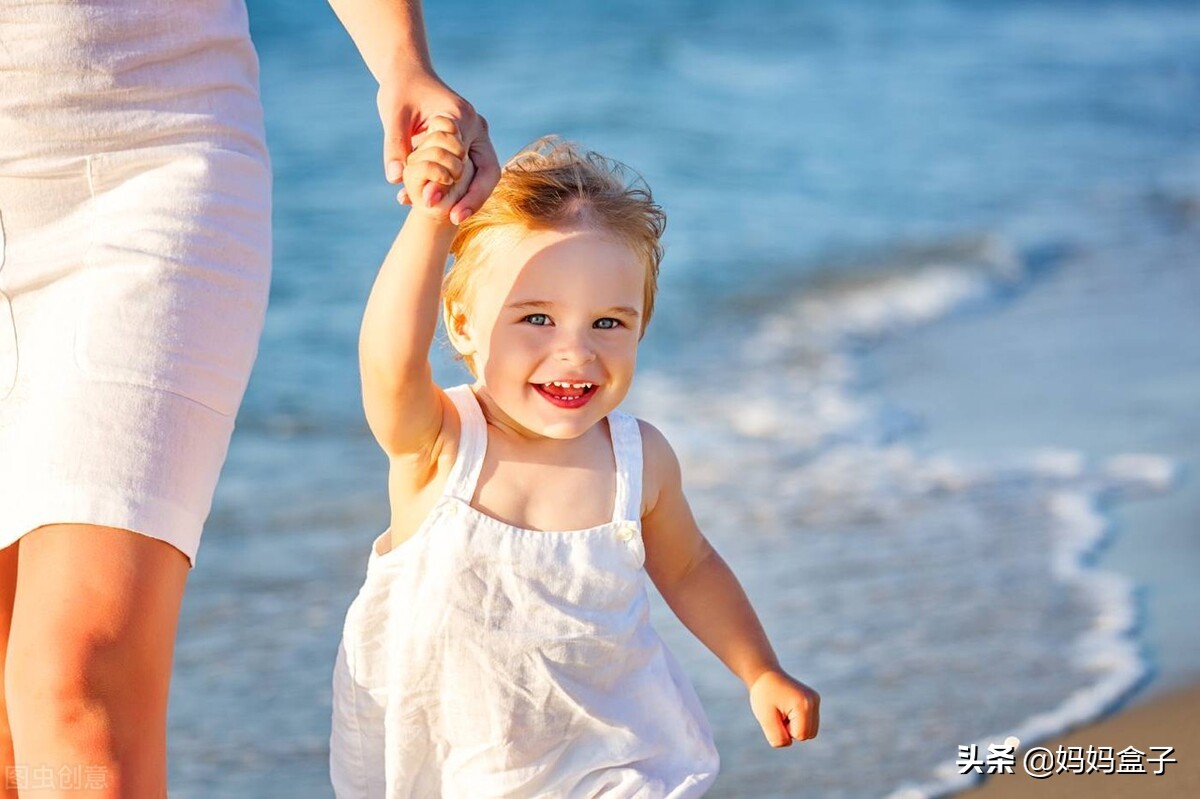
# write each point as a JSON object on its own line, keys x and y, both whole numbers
{"x": 627, "y": 532}
{"x": 452, "y": 508}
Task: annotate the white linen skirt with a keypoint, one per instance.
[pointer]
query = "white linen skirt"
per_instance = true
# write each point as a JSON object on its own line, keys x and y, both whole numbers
{"x": 135, "y": 259}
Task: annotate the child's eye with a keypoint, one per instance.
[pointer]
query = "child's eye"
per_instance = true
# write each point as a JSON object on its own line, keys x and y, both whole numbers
{"x": 607, "y": 323}
{"x": 537, "y": 319}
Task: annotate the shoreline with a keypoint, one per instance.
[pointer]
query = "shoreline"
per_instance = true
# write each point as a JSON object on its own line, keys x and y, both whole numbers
{"x": 960, "y": 378}
{"x": 1111, "y": 408}
{"x": 1153, "y": 719}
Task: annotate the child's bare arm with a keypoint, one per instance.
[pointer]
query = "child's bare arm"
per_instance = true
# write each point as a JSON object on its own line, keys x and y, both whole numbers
{"x": 706, "y": 596}
{"x": 402, "y": 404}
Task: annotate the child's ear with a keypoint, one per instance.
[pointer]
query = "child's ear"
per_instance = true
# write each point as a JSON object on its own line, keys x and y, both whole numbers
{"x": 458, "y": 328}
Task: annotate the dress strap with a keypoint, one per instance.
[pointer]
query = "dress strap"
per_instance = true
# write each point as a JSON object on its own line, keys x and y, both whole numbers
{"x": 472, "y": 442}
{"x": 627, "y": 452}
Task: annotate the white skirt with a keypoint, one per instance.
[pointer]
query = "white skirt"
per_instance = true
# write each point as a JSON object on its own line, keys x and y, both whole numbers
{"x": 135, "y": 259}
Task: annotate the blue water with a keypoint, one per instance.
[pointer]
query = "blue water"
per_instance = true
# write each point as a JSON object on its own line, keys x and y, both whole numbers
{"x": 927, "y": 324}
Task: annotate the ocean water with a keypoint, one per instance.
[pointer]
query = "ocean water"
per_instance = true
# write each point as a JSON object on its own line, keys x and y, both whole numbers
{"x": 926, "y": 330}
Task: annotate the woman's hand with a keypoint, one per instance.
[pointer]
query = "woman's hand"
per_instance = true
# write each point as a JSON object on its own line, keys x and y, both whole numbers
{"x": 408, "y": 101}
{"x": 786, "y": 709}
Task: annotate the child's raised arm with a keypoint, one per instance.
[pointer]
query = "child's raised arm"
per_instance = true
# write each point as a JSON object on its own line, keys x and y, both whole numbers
{"x": 402, "y": 404}
{"x": 706, "y": 596}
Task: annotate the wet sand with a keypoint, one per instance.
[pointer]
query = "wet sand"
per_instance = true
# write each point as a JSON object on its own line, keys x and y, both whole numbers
{"x": 1169, "y": 719}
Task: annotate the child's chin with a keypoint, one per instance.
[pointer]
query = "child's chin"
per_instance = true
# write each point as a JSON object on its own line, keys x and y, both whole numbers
{"x": 564, "y": 431}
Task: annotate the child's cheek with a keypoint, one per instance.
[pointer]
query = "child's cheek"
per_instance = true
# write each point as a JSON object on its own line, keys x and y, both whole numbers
{"x": 517, "y": 343}
{"x": 623, "y": 346}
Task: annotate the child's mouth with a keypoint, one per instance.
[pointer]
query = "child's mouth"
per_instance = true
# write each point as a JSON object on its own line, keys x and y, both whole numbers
{"x": 566, "y": 395}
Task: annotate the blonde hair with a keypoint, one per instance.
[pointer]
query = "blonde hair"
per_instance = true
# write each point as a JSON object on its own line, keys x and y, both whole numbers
{"x": 552, "y": 184}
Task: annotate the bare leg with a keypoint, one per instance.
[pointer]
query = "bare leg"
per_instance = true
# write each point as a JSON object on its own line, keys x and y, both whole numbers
{"x": 89, "y": 659}
{"x": 8, "y": 591}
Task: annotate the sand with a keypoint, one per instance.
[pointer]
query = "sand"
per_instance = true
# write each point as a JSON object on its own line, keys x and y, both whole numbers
{"x": 1170, "y": 719}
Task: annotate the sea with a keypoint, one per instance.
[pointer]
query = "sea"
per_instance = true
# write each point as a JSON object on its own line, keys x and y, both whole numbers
{"x": 927, "y": 343}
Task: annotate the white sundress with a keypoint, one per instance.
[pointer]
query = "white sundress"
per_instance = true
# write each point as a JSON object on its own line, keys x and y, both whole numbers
{"x": 483, "y": 660}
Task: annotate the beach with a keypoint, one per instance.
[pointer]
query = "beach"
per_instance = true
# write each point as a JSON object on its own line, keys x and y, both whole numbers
{"x": 1107, "y": 382}
{"x": 924, "y": 344}
{"x": 1167, "y": 719}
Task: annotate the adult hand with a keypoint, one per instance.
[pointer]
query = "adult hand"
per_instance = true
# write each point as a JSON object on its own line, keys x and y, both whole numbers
{"x": 407, "y": 101}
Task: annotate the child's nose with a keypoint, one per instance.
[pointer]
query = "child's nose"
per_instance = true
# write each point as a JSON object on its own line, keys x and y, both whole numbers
{"x": 574, "y": 348}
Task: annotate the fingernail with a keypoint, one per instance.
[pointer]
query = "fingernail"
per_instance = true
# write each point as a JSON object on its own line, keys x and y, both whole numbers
{"x": 393, "y": 171}
{"x": 462, "y": 215}
{"x": 436, "y": 198}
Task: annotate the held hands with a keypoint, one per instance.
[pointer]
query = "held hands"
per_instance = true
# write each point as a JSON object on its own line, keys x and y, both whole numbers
{"x": 438, "y": 173}
{"x": 408, "y": 101}
{"x": 787, "y": 709}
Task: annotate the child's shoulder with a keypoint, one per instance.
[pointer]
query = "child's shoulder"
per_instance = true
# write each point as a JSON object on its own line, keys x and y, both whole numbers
{"x": 660, "y": 466}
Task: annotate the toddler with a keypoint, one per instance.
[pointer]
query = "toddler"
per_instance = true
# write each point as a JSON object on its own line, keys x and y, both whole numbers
{"x": 500, "y": 645}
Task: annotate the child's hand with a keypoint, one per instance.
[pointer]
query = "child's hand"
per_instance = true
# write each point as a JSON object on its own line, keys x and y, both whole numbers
{"x": 437, "y": 172}
{"x": 787, "y": 709}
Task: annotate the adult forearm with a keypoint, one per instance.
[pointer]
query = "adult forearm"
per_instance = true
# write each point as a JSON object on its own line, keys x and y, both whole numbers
{"x": 389, "y": 34}
{"x": 711, "y": 603}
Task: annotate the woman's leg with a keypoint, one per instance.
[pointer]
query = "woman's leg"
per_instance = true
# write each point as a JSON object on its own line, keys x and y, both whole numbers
{"x": 89, "y": 660}
{"x": 8, "y": 590}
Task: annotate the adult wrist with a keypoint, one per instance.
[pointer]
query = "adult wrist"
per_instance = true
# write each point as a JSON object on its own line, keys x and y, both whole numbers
{"x": 407, "y": 63}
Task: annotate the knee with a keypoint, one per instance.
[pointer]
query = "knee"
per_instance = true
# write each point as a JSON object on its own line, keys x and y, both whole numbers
{"x": 68, "y": 692}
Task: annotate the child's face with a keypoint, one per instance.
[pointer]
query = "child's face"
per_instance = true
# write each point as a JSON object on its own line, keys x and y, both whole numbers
{"x": 557, "y": 306}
